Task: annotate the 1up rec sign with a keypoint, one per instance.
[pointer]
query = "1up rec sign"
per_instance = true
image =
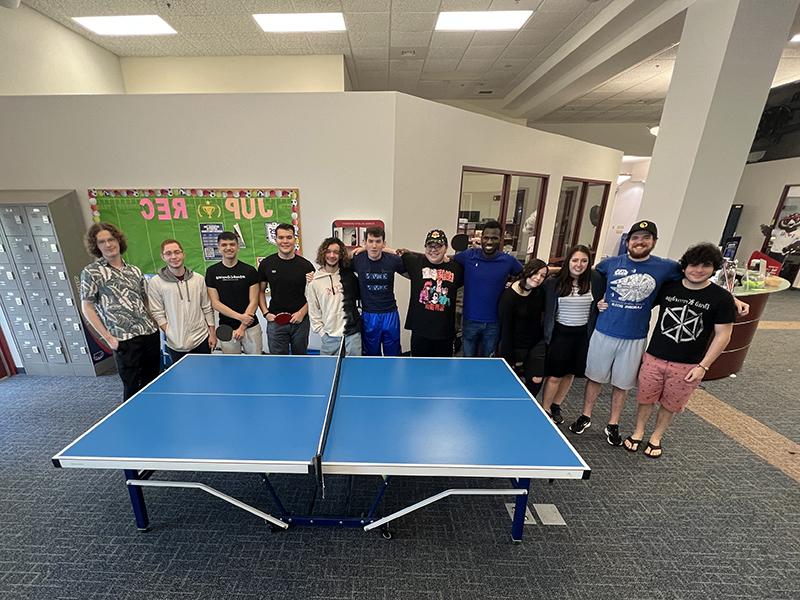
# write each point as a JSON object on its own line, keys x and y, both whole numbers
{"x": 195, "y": 217}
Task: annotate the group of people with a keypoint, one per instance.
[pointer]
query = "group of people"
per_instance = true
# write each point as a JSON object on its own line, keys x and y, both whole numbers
{"x": 578, "y": 322}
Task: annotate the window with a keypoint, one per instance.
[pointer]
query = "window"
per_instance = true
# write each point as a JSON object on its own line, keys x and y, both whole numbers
{"x": 581, "y": 205}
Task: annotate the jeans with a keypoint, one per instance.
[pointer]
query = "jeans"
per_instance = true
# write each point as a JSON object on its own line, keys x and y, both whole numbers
{"x": 331, "y": 343}
{"x": 291, "y": 338}
{"x": 479, "y": 339}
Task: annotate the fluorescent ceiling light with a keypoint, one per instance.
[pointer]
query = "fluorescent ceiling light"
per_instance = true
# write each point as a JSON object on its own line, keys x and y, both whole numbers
{"x": 482, "y": 20}
{"x": 126, "y": 25}
{"x": 654, "y": 130}
{"x": 622, "y": 179}
{"x": 795, "y": 38}
{"x": 296, "y": 22}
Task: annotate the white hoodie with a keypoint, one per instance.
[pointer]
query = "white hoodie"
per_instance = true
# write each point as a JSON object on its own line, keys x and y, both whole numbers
{"x": 183, "y": 305}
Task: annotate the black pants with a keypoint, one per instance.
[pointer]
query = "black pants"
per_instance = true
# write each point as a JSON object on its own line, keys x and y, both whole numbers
{"x": 422, "y": 346}
{"x": 202, "y": 348}
{"x": 138, "y": 362}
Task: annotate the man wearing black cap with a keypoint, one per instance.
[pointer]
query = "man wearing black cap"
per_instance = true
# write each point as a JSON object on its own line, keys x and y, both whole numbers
{"x": 620, "y": 336}
{"x": 431, "y": 307}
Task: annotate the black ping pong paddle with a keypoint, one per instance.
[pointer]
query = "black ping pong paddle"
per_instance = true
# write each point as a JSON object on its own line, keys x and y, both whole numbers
{"x": 459, "y": 242}
{"x": 224, "y": 333}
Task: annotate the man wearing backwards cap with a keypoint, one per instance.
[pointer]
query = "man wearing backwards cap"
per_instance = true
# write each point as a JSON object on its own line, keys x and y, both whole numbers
{"x": 431, "y": 307}
{"x": 620, "y": 336}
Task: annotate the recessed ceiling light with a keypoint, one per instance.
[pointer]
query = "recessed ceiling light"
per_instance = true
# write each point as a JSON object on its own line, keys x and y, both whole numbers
{"x": 301, "y": 22}
{"x": 795, "y": 38}
{"x": 622, "y": 178}
{"x": 126, "y": 25}
{"x": 482, "y": 20}
{"x": 654, "y": 130}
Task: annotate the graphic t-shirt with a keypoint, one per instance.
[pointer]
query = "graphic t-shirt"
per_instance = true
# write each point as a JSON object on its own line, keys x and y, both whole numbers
{"x": 631, "y": 288}
{"x": 432, "y": 305}
{"x": 286, "y": 280}
{"x": 484, "y": 280}
{"x": 233, "y": 286}
{"x": 686, "y": 321}
{"x": 376, "y": 279}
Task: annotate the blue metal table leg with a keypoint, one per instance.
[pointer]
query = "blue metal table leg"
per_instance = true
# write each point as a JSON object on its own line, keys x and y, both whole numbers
{"x": 379, "y": 496}
{"x": 520, "y": 507}
{"x": 272, "y": 492}
{"x": 137, "y": 501}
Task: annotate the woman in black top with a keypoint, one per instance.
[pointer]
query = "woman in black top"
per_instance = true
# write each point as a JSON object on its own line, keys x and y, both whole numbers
{"x": 521, "y": 331}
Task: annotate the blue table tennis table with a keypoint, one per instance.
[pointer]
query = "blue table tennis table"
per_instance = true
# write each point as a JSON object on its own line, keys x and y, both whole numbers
{"x": 325, "y": 415}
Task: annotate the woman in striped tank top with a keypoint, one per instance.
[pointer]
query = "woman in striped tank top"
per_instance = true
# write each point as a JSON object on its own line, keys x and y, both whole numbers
{"x": 570, "y": 313}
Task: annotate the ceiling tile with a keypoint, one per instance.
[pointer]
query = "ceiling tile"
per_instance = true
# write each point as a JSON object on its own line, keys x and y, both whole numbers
{"x": 329, "y": 40}
{"x": 475, "y": 65}
{"x": 372, "y": 65}
{"x": 185, "y": 7}
{"x": 371, "y": 22}
{"x": 407, "y": 38}
{"x": 290, "y": 43}
{"x": 366, "y": 5}
{"x": 313, "y": 6}
{"x": 454, "y": 5}
{"x": 440, "y": 65}
{"x": 368, "y": 40}
{"x": 493, "y": 38}
{"x": 488, "y": 52}
{"x": 422, "y": 21}
{"x": 258, "y": 7}
{"x": 528, "y": 52}
{"x": 452, "y": 39}
{"x": 405, "y": 66}
{"x": 516, "y": 4}
{"x": 446, "y": 52}
{"x": 400, "y": 6}
{"x": 371, "y": 53}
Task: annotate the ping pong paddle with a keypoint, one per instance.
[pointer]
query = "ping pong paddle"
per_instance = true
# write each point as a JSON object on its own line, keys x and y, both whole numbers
{"x": 283, "y": 318}
{"x": 459, "y": 242}
{"x": 224, "y": 333}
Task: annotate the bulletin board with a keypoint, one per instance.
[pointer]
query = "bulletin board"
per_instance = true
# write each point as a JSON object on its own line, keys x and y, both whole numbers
{"x": 195, "y": 217}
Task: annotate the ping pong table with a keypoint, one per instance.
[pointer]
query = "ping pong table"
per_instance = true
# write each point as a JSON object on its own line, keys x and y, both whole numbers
{"x": 327, "y": 415}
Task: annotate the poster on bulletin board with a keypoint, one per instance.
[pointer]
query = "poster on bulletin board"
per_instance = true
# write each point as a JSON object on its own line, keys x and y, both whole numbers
{"x": 195, "y": 217}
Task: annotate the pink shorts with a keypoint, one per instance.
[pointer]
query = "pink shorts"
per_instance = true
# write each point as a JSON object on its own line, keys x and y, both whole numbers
{"x": 662, "y": 381}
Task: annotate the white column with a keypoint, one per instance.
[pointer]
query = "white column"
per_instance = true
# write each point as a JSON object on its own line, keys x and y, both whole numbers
{"x": 726, "y": 61}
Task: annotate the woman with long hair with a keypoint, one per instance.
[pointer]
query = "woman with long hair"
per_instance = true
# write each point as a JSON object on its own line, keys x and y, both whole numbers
{"x": 569, "y": 317}
{"x": 521, "y": 310}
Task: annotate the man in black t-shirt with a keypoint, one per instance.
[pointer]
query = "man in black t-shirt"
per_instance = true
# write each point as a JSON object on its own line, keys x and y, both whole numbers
{"x": 233, "y": 289}
{"x": 679, "y": 355}
{"x": 285, "y": 273}
{"x": 431, "y": 307}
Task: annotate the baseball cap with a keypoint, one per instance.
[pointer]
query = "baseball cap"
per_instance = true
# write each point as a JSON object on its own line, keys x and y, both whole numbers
{"x": 647, "y": 226}
{"x": 436, "y": 236}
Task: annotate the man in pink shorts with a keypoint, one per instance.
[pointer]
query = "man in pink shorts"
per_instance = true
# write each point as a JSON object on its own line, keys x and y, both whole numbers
{"x": 679, "y": 354}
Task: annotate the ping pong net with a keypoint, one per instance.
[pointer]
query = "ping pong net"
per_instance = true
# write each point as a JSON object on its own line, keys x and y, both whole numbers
{"x": 326, "y": 426}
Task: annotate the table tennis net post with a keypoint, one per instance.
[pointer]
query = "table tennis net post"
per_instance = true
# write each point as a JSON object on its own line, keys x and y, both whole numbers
{"x": 317, "y": 460}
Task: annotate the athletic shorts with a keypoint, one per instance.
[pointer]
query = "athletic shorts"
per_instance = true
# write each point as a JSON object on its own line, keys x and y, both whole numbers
{"x": 662, "y": 381}
{"x": 614, "y": 360}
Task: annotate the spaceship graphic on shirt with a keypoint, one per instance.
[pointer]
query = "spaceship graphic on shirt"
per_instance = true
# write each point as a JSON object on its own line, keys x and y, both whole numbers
{"x": 635, "y": 287}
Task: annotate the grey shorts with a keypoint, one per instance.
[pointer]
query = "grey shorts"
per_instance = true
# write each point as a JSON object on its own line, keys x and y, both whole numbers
{"x": 614, "y": 360}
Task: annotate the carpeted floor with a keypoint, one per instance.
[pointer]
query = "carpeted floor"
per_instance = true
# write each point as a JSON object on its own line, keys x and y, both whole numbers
{"x": 708, "y": 520}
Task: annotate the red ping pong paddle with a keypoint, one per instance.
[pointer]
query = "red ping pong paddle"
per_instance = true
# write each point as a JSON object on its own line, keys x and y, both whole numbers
{"x": 283, "y": 318}
{"x": 224, "y": 333}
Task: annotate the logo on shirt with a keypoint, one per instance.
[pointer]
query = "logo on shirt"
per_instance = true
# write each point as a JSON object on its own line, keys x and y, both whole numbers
{"x": 620, "y": 272}
{"x": 681, "y": 324}
{"x": 634, "y": 288}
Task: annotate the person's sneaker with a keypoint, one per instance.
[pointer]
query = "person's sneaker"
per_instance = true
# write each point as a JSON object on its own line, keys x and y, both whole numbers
{"x": 555, "y": 414}
{"x": 580, "y": 425}
{"x": 613, "y": 436}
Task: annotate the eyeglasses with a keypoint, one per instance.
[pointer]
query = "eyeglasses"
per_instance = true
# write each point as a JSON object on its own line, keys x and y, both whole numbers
{"x": 175, "y": 253}
{"x": 434, "y": 246}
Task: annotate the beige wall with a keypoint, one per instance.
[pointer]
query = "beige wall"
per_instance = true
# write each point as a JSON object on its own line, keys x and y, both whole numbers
{"x": 168, "y": 75}
{"x": 631, "y": 138}
{"x": 759, "y": 191}
{"x": 39, "y": 56}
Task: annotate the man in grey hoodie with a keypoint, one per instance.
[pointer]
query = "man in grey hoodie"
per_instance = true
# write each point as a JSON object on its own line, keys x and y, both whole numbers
{"x": 179, "y": 303}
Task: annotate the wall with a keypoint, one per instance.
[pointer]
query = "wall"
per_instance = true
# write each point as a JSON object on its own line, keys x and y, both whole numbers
{"x": 759, "y": 191}
{"x": 167, "y": 75}
{"x": 631, "y": 138}
{"x": 39, "y": 56}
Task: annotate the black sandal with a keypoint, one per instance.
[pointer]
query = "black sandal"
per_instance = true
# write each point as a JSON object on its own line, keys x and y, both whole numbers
{"x": 634, "y": 444}
{"x": 650, "y": 448}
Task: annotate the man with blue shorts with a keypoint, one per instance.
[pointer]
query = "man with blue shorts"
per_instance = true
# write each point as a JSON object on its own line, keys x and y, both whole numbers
{"x": 379, "y": 318}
